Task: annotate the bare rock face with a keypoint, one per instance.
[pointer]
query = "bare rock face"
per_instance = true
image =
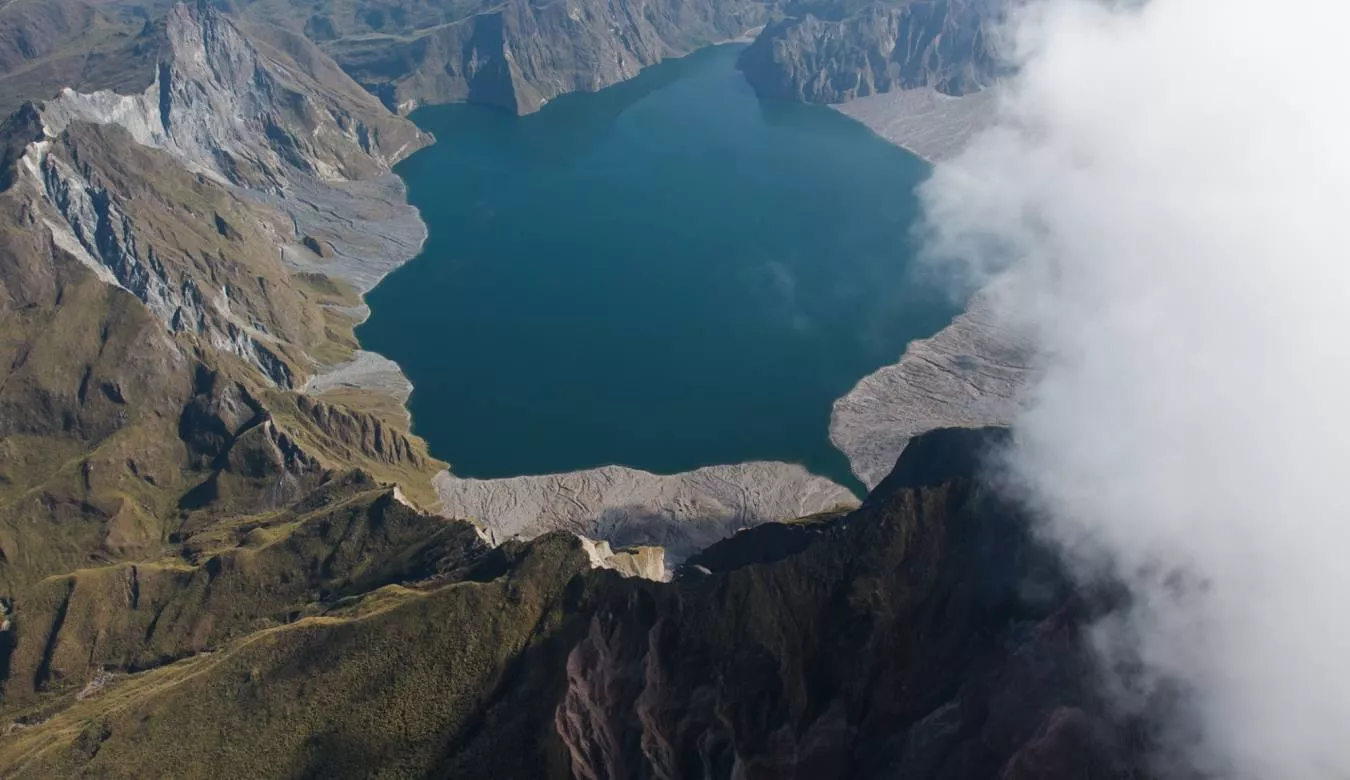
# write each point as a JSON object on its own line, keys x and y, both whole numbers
{"x": 109, "y": 172}
{"x": 941, "y": 44}
{"x": 243, "y": 112}
{"x": 682, "y": 513}
{"x": 923, "y": 636}
{"x": 146, "y": 239}
{"x": 647, "y": 562}
{"x": 518, "y": 54}
{"x": 111, "y": 204}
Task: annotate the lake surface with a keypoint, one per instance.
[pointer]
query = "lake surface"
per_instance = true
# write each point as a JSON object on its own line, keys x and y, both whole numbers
{"x": 667, "y": 274}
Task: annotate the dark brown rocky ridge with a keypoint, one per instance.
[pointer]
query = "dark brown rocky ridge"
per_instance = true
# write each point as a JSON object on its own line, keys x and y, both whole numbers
{"x": 923, "y": 636}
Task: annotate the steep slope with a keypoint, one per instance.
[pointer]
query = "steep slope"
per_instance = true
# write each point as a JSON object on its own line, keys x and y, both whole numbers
{"x": 517, "y": 54}
{"x": 922, "y": 636}
{"x": 152, "y": 332}
{"x": 832, "y": 53}
{"x": 249, "y": 114}
{"x": 223, "y": 113}
{"x": 347, "y": 536}
{"x": 46, "y": 45}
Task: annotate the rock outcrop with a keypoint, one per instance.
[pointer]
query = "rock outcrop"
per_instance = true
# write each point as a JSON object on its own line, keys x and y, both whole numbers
{"x": 243, "y": 111}
{"x": 223, "y": 120}
{"x": 152, "y": 331}
{"x": 518, "y": 54}
{"x": 908, "y": 44}
{"x": 924, "y": 635}
{"x": 365, "y": 434}
{"x": 646, "y": 562}
{"x": 104, "y": 199}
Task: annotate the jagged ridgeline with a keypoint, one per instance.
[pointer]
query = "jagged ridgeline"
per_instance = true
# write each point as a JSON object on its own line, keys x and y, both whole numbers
{"x": 831, "y": 51}
{"x": 519, "y": 54}
{"x": 920, "y": 636}
{"x": 153, "y": 334}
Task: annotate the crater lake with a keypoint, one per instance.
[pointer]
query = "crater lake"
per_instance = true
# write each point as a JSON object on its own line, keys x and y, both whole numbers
{"x": 666, "y": 274}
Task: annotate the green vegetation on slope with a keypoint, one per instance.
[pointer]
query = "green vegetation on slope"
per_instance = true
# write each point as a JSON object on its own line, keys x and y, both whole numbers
{"x": 48, "y": 45}
{"x": 920, "y": 636}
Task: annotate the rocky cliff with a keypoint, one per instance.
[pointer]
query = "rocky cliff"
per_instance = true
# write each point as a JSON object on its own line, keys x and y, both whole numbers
{"x": 221, "y": 120}
{"x": 152, "y": 330}
{"x": 922, "y": 636}
{"x": 517, "y": 54}
{"x": 47, "y": 45}
{"x": 832, "y": 53}
{"x": 520, "y": 54}
{"x": 246, "y": 111}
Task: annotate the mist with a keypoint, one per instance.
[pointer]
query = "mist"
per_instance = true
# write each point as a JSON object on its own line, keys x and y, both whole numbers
{"x": 1169, "y": 183}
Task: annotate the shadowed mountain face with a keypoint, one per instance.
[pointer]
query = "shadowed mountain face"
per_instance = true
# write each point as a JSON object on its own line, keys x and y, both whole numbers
{"x": 922, "y": 636}
{"x": 517, "y": 54}
{"x": 520, "y": 54}
{"x": 831, "y": 52}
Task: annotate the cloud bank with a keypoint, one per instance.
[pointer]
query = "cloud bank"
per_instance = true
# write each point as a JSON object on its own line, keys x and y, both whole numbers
{"x": 1170, "y": 181}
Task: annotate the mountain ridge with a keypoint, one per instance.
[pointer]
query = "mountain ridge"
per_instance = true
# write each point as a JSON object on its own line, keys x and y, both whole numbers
{"x": 944, "y": 45}
{"x": 869, "y": 650}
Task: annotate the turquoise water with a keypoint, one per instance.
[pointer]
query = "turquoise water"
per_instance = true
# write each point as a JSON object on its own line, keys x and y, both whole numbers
{"x": 666, "y": 274}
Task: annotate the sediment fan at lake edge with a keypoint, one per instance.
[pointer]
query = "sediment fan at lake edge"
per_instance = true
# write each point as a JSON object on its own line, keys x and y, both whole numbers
{"x": 682, "y": 513}
{"x": 972, "y": 372}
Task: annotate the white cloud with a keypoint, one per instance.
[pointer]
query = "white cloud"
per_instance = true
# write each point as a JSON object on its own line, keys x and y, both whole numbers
{"x": 1173, "y": 179}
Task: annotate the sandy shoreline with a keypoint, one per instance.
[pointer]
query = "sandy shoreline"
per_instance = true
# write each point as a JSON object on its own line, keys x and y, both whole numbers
{"x": 923, "y": 122}
{"x": 970, "y": 373}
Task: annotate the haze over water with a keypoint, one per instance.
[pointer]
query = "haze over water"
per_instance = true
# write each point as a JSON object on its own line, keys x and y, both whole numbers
{"x": 666, "y": 274}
